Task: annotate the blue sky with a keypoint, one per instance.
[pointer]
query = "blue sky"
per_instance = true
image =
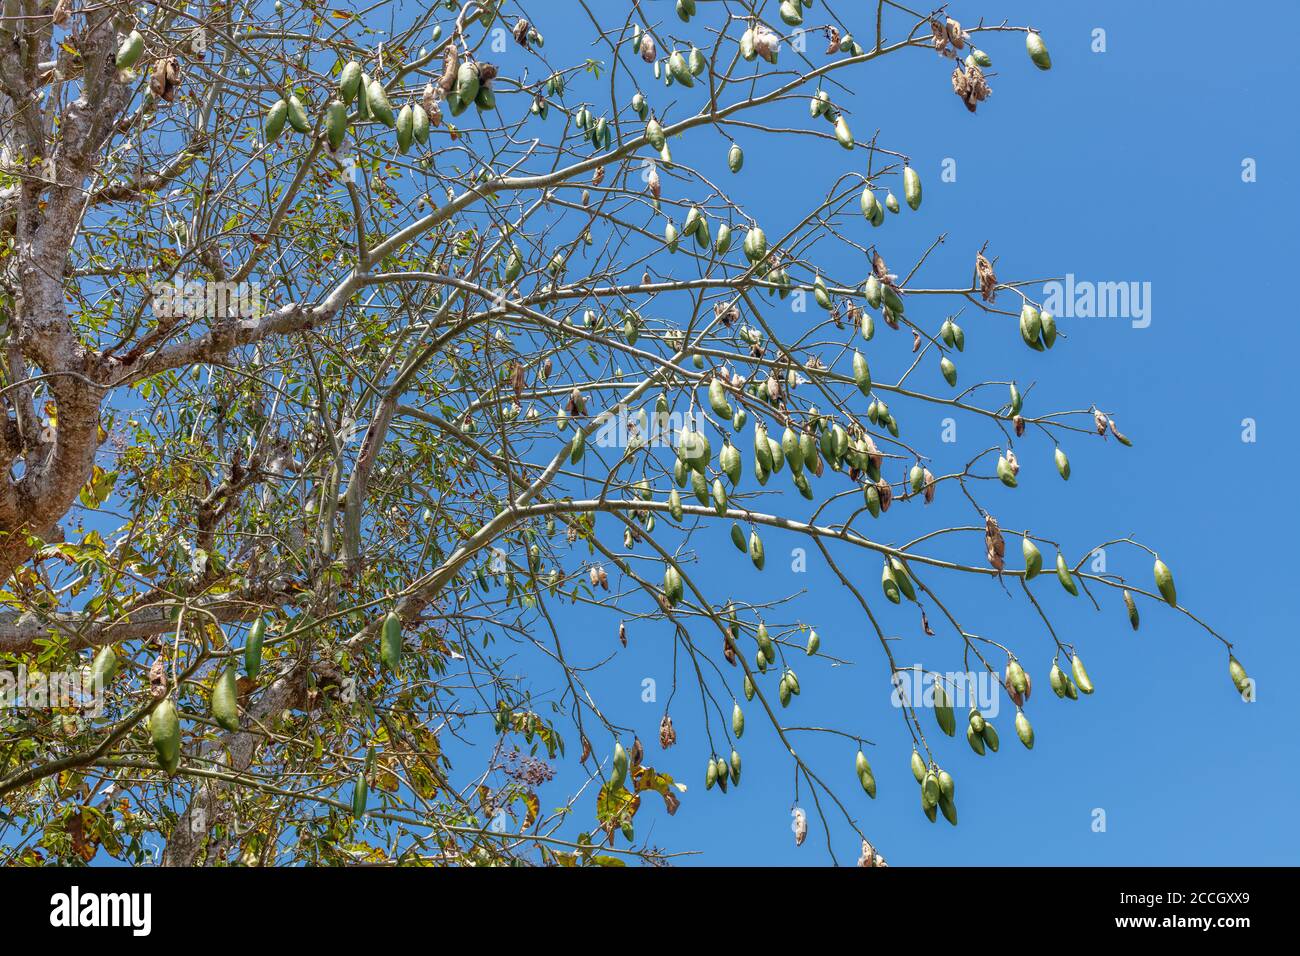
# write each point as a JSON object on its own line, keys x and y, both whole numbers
{"x": 1117, "y": 166}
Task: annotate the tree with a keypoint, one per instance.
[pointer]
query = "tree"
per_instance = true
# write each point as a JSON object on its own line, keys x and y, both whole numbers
{"x": 344, "y": 349}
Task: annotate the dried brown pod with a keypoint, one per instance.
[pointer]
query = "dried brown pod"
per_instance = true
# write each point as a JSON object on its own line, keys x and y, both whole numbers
{"x": 518, "y": 379}
{"x": 520, "y": 32}
{"x": 637, "y": 755}
{"x": 727, "y": 313}
{"x": 1012, "y": 462}
{"x": 165, "y": 78}
{"x": 994, "y": 546}
{"x": 593, "y": 576}
{"x": 956, "y": 35}
{"x": 970, "y": 85}
{"x": 885, "y": 492}
{"x": 62, "y": 9}
{"x": 872, "y": 451}
{"x": 878, "y": 267}
{"x": 586, "y": 749}
{"x": 916, "y": 340}
{"x": 891, "y": 320}
{"x": 487, "y": 72}
{"x": 598, "y": 176}
{"x": 622, "y": 633}
{"x": 652, "y": 182}
{"x": 925, "y": 625}
{"x": 928, "y": 478}
{"x": 648, "y": 51}
{"x": 868, "y": 857}
{"x": 450, "y": 64}
{"x": 1122, "y": 438}
{"x": 577, "y": 403}
{"x": 800, "y": 826}
{"x": 1019, "y": 423}
{"x": 832, "y": 40}
{"x": 667, "y": 735}
{"x": 1100, "y": 420}
{"x": 987, "y": 280}
{"x": 603, "y": 577}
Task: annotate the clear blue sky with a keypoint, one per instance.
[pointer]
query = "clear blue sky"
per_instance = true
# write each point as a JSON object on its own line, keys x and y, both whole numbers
{"x": 1117, "y": 166}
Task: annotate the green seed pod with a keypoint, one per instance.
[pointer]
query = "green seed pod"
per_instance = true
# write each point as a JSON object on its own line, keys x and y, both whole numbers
{"x": 958, "y": 337}
{"x": 990, "y": 735}
{"x": 165, "y": 733}
{"x": 405, "y": 128}
{"x": 654, "y": 134}
{"x": 380, "y": 108}
{"x": 1024, "y": 730}
{"x": 982, "y": 59}
{"x": 749, "y": 688}
{"x": 871, "y": 497}
{"x": 737, "y": 721}
{"x": 842, "y": 132}
{"x": 916, "y": 479}
{"x": 865, "y": 776}
{"x": 1057, "y": 680}
{"x": 297, "y": 116}
{"x": 1016, "y": 676}
{"x": 350, "y": 81}
{"x": 918, "y": 766}
{"x": 735, "y": 767}
{"x": 755, "y": 245}
{"x": 273, "y": 125}
{"x": 670, "y": 236}
{"x": 948, "y": 809}
{"x": 718, "y": 399}
{"x": 675, "y": 505}
{"x": 700, "y": 487}
{"x": 784, "y": 692}
{"x": 1038, "y": 50}
{"x": 130, "y": 51}
{"x": 1062, "y": 464}
{"x": 975, "y": 740}
{"x": 1005, "y": 473}
{"x": 336, "y": 123}
{"x": 360, "y": 796}
{"x": 223, "y": 703}
{"x": 902, "y": 578}
{"x": 949, "y": 370}
{"x": 943, "y": 710}
{"x": 747, "y": 49}
{"x": 867, "y": 326}
{"x": 1071, "y": 691}
{"x": 679, "y": 69}
{"x": 1132, "y": 609}
{"x": 1049, "y": 328}
{"x": 873, "y": 291}
{"x": 1165, "y": 582}
{"x": 814, "y": 644}
{"x": 892, "y": 300}
{"x": 930, "y": 790}
{"x": 735, "y": 158}
{"x": 790, "y": 450}
{"x": 931, "y": 812}
{"x": 578, "y": 445}
{"x": 756, "y": 550}
{"x": 1063, "y": 575}
{"x": 102, "y": 668}
{"x": 891, "y": 202}
{"x": 719, "y": 497}
{"x": 1016, "y": 401}
{"x": 911, "y": 187}
{"x": 723, "y": 242}
{"x": 791, "y": 14}
{"x": 861, "y": 373}
{"x": 889, "y": 585}
{"x": 1240, "y": 679}
{"x": 619, "y": 766}
{"x": 390, "y": 647}
{"x": 1033, "y": 558}
{"x": 1031, "y": 327}
{"x": 253, "y": 648}
{"x": 1080, "y": 675}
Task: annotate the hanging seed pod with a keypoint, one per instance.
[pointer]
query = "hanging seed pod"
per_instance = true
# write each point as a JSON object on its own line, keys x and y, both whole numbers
{"x": 165, "y": 734}
{"x": 948, "y": 809}
{"x": 102, "y": 668}
{"x": 784, "y": 692}
{"x": 1049, "y": 328}
{"x": 735, "y": 768}
{"x": 869, "y": 204}
{"x": 1131, "y": 605}
{"x": 1033, "y": 558}
{"x": 1037, "y": 50}
{"x": 130, "y": 51}
{"x": 1240, "y": 679}
{"x": 814, "y": 644}
{"x": 1165, "y": 582}
{"x": 975, "y": 740}
{"x": 1062, "y": 464}
{"x": 336, "y": 124}
{"x": 871, "y": 498}
{"x": 1031, "y": 327}
{"x": 990, "y": 735}
{"x": 735, "y": 158}
{"x": 723, "y": 241}
{"x": 577, "y": 445}
{"x": 1016, "y": 678}
{"x": 1063, "y": 575}
{"x": 1080, "y": 675}
{"x": 1056, "y": 680}
{"x": 738, "y": 538}
{"x": 930, "y": 790}
{"x": 1016, "y": 401}
{"x": 1024, "y": 730}
{"x": 918, "y": 766}
{"x": 748, "y": 688}
{"x": 390, "y": 647}
{"x": 891, "y": 202}
{"x": 911, "y": 187}
{"x": 618, "y": 767}
{"x": 861, "y": 373}
{"x": 679, "y": 70}
{"x": 889, "y": 585}
{"x": 943, "y": 712}
{"x": 756, "y": 550}
{"x": 1006, "y": 473}
{"x": 253, "y": 648}
{"x": 223, "y": 703}
{"x": 842, "y": 132}
{"x": 297, "y": 115}
{"x": 273, "y": 124}
{"x": 360, "y": 796}
{"x": 405, "y": 128}
{"x": 949, "y": 370}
